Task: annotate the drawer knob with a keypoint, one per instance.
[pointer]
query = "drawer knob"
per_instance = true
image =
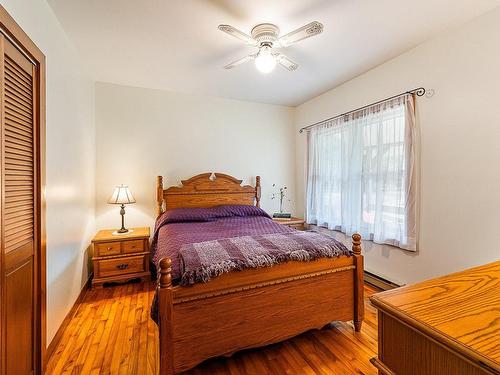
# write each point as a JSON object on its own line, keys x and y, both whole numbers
{"x": 122, "y": 266}
{"x": 110, "y": 248}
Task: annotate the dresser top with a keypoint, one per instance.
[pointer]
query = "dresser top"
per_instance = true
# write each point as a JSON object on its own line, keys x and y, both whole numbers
{"x": 107, "y": 234}
{"x": 461, "y": 310}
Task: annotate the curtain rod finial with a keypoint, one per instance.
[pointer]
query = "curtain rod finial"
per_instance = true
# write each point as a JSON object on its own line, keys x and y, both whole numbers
{"x": 420, "y": 91}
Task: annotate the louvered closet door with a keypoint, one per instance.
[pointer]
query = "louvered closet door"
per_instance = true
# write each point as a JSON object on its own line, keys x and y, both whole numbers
{"x": 18, "y": 210}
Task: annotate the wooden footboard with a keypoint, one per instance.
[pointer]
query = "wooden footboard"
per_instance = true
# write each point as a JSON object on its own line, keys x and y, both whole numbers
{"x": 255, "y": 307}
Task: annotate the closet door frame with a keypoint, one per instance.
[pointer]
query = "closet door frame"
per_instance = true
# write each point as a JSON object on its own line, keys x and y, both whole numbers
{"x": 13, "y": 32}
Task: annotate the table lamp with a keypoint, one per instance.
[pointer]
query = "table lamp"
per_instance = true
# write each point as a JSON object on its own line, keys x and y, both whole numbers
{"x": 121, "y": 195}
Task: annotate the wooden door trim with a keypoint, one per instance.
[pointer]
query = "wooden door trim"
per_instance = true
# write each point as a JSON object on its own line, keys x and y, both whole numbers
{"x": 12, "y": 31}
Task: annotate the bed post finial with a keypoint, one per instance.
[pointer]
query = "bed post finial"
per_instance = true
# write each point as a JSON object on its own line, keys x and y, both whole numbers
{"x": 165, "y": 279}
{"x": 159, "y": 195}
{"x": 257, "y": 191}
{"x": 356, "y": 243}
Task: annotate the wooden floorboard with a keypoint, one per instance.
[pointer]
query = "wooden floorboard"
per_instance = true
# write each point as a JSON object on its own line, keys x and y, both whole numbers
{"x": 111, "y": 333}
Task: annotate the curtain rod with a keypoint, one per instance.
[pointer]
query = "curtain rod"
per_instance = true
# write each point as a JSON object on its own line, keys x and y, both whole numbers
{"x": 420, "y": 91}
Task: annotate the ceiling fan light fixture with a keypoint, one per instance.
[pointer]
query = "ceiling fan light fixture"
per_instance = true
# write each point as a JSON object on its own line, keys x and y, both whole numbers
{"x": 265, "y": 36}
{"x": 265, "y": 62}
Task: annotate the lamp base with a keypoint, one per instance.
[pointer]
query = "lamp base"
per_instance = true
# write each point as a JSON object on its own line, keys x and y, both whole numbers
{"x": 118, "y": 233}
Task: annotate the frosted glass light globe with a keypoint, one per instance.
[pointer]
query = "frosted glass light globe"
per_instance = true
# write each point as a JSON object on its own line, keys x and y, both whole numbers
{"x": 265, "y": 62}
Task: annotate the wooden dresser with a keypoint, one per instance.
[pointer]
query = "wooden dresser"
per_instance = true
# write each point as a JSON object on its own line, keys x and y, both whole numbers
{"x": 446, "y": 326}
{"x": 119, "y": 258}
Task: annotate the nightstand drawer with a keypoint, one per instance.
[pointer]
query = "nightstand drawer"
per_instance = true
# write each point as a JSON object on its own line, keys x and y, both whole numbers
{"x": 136, "y": 246}
{"x": 107, "y": 248}
{"x": 293, "y": 222}
{"x": 120, "y": 266}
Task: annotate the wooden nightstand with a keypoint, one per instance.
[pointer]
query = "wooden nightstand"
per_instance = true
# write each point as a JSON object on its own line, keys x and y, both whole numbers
{"x": 293, "y": 222}
{"x": 119, "y": 258}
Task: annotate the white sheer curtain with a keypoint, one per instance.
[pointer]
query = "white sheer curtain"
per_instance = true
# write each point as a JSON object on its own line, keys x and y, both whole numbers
{"x": 361, "y": 173}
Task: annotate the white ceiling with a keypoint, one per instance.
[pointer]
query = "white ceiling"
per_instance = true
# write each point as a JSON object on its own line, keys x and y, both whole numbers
{"x": 175, "y": 44}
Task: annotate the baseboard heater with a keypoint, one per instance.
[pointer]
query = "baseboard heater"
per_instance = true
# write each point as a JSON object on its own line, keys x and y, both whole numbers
{"x": 379, "y": 282}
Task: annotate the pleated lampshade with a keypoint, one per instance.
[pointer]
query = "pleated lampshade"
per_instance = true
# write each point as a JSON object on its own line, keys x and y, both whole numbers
{"x": 121, "y": 195}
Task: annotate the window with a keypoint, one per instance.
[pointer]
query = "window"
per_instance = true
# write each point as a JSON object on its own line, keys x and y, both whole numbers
{"x": 361, "y": 173}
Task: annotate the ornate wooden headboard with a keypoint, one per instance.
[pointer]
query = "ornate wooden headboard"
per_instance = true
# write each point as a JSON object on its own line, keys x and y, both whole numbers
{"x": 206, "y": 190}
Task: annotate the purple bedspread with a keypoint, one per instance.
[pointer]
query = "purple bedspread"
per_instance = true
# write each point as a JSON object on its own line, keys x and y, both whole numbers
{"x": 170, "y": 237}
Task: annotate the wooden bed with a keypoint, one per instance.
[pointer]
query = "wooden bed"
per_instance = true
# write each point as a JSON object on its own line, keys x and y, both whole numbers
{"x": 249, "y": 308}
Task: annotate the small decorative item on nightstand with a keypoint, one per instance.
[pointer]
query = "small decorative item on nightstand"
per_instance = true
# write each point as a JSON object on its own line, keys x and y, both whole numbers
{"x": 281, "y": 195}
{"x": 120, "y": 258}
{"x": 293, "y": 222}
{"x": 121, "y": 195}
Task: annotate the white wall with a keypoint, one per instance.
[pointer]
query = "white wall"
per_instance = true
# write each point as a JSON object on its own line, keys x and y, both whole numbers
{"x": 70, "y": 167}
{"x": 142, "y": 133}
{"x": 460, "y": 149}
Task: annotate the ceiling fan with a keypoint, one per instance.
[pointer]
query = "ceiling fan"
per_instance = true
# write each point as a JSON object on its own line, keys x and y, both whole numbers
{"x": 265, "y": 37}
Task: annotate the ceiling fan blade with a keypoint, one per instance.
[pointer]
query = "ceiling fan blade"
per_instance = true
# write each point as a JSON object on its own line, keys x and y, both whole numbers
{"x": 238, "y": 34}
{"x": 241, "y": 61}
{"x": 311, "y": 29}
{"x": 286, "y": 62}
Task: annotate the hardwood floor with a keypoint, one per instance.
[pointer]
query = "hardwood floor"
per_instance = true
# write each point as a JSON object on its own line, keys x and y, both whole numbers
{"x": 111, "y": 333}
